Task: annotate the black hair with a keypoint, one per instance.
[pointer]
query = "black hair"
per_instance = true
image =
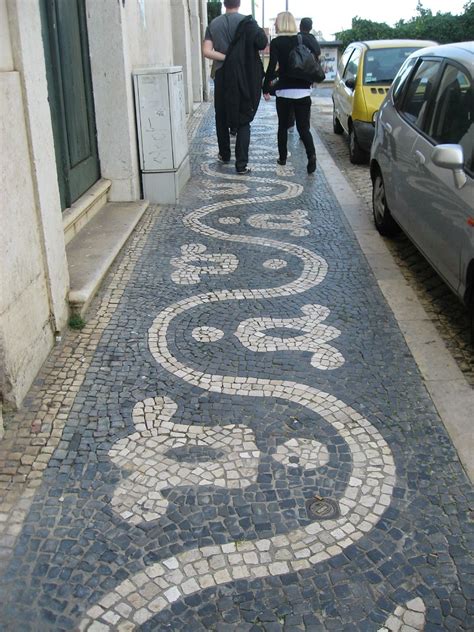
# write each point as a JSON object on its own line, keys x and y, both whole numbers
{"x": 232, "y": 4}
{"x": 306, "y": 25}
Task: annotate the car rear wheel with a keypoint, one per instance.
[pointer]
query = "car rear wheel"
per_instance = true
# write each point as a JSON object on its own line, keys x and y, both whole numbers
{"x": 356, "y": 154}
{"x": 383, "y": 219}
{"x": 336, "y": 126}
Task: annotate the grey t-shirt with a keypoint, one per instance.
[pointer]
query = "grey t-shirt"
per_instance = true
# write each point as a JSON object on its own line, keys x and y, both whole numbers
{"x": 221, "y": 32}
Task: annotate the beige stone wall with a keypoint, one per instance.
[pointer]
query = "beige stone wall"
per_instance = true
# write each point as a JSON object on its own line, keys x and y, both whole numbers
{"x": 113, "y": 97}
{"x": 124, "y": 36}
{"x": 149, "y": 32}
{"x": 34, "y": 277}
{"x": 29, "y": 60}
{"x": 166, "y": 32}
{"x": 25, "y": 332}
{"x": 6, "y": 59}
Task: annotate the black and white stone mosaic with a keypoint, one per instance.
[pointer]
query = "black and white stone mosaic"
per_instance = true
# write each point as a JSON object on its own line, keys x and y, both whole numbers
{"x": 251, "y": 371}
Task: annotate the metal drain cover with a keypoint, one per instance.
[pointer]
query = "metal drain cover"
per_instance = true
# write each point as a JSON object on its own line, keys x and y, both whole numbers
{"x": 322, "y": 508}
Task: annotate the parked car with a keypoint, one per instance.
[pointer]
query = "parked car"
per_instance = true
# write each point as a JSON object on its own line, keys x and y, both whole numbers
{"x": 363, "y": 78}
{"x": 422, "y": 161}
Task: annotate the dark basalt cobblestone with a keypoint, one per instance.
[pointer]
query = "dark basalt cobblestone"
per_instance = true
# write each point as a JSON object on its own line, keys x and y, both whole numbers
{"x": 74, "y": 548}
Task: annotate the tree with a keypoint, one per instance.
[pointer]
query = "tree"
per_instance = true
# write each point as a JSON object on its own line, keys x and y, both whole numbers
{"x": 441, "y": 27}
{"x": 214, "y": 8}
{"x": 365, "y": 30}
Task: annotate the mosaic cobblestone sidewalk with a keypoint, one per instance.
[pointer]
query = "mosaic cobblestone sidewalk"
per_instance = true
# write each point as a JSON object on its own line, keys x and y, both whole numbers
{"x": 239, "y": 440}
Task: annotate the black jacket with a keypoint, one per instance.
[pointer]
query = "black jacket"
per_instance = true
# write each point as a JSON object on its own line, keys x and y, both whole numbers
{"x": 243, "y": 73}
{"x": 280, "y": 48}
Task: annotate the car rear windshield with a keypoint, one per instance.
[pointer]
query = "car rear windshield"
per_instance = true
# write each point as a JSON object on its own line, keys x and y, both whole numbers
{"x": 381, "y": 65}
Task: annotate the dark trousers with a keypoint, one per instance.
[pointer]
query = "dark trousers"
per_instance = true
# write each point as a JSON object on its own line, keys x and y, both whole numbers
{"x": 301, "y": 108}
{"x": 242, "y": 141}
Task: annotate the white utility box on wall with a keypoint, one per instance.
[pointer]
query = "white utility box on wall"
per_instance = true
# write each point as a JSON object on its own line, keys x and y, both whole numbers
{"x": 162, "y": 136}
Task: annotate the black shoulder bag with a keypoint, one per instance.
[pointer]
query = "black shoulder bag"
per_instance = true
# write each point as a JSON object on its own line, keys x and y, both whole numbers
{"x": 302, "y": 64}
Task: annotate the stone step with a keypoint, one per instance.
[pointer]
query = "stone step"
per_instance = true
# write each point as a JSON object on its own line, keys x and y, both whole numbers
{"x": 93, "y": 250}
{"x": 85, "y": 208}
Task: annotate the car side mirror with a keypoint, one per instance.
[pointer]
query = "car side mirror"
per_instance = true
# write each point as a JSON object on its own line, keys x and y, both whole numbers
{"x": 451, "y": 157}
{"x": 350, "y": 83}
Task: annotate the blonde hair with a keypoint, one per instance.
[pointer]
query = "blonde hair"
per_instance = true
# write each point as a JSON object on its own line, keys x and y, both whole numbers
{"x": 285, "y": 23}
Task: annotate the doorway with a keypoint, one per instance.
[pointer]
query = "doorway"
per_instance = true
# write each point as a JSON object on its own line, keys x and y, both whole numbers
{"x": 70, "y": 96}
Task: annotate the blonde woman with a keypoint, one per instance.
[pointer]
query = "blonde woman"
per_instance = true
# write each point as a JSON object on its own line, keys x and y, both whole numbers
{"x": 291, "y": 94}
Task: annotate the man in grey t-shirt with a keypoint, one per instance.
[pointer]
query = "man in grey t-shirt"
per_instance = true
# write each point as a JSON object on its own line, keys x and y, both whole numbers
{"x": 221, "y": 32}
{"x": 219, "y": 35}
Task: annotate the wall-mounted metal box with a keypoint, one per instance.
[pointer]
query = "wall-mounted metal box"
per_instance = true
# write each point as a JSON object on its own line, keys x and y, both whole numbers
{"x": 162, "y": 136}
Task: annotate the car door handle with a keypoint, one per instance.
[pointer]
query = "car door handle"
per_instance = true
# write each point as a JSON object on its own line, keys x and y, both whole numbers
{"x": 387, "y": 127}
{"x": 419, "y": 158}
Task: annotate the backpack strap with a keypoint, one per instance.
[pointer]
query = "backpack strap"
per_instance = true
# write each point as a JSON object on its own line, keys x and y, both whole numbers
{"x": 229, "y": 35}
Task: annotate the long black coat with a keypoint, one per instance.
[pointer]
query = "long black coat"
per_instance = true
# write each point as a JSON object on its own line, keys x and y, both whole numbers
{"x": 243, "y": 73}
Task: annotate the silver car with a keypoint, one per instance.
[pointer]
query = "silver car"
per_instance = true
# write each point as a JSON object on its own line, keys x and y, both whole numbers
{"x": 422, "y": 161}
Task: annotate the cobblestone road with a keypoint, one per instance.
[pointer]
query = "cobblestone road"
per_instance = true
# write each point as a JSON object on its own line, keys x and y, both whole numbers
{"x": 239, "y": 440}
{"x": 448, "y": 315}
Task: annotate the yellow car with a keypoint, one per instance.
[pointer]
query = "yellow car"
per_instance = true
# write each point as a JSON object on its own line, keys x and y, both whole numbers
{"x": 363, "y": 78}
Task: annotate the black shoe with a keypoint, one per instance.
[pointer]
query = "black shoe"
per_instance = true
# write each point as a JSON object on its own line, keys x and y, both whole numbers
{"x": 281, "y": 162}
{"x": 225, "y": 161}
{"x": 244, "y": 171}
{"x": 311, "y": 167}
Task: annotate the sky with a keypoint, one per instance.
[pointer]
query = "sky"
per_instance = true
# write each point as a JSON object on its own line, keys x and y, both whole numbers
{"x": 338, "y": 16}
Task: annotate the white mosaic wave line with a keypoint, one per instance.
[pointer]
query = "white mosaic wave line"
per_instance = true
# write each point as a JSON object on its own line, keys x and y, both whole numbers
{"x": 275, "y": 264}
{"x": 207, "y": 334}
{"x": 252, "y": 334}
{"x": 194, "y": 263}
{"x": 293, "y": 222}
{"x": 259, "y": 164}
{"x": 139, "y": 498}
{"x": 210, "y": 189}
{"x": 229, "y": 220}
{"x": 366, "y": 497}
{"x": 407, "y": 618}
{"x": 368, "y": 493}
{"x": 305, "y": 453}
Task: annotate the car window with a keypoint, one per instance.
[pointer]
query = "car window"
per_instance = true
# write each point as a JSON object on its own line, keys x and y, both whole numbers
{"x": 401, "y": 79}
{"x": 351, "y": 69}
{"x": 419, "y": 91}
{"x": 344, "y": 59}
{"x": 382, "y": 64}
{"x": 453, "y": 114}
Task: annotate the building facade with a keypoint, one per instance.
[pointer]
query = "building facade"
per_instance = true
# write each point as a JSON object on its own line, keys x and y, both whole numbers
{"x": 68, "y": 142}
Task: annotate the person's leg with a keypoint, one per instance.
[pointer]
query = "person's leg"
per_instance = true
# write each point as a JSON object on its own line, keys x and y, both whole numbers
{"x": 222, "y": 129}
{"x": 291, "y": 117}
{"x": 302, "y": 114}
{"x": 283, "y": 107}
{"x": 242, "y": 143}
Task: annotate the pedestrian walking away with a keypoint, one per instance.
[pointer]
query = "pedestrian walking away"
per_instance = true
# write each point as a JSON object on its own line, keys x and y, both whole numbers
{"x": 292, "y": 94}
{"x": 233, "y": 42}
{"x": 306, "y": 26}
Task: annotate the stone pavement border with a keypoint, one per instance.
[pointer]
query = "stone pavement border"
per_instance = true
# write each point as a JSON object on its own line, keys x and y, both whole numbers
{"x": 448, "y": 388}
